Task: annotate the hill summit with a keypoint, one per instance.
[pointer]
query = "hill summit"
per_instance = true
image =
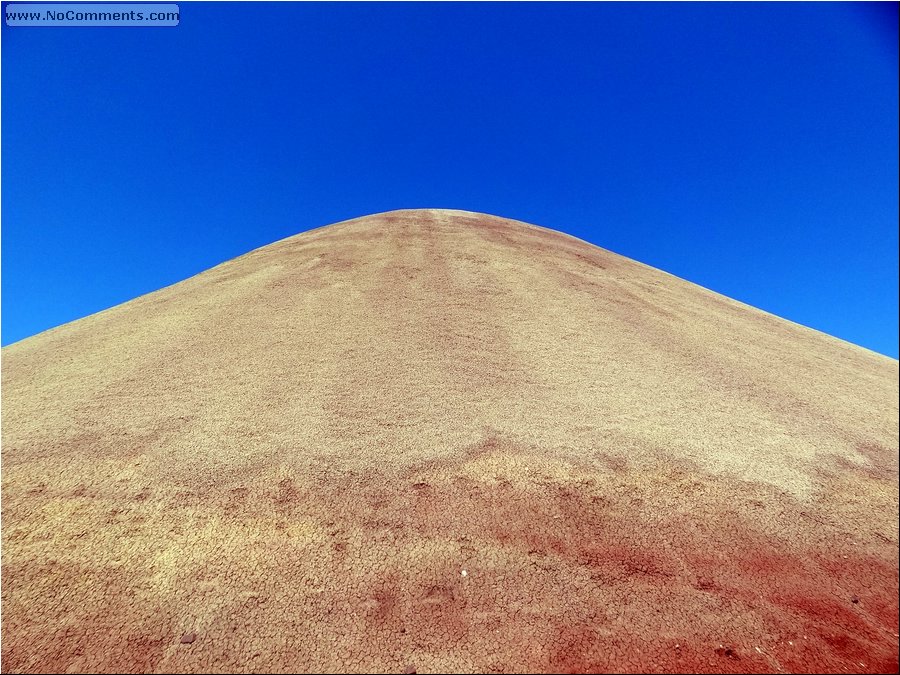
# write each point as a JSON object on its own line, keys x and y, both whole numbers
{"x": 434, "y": 440}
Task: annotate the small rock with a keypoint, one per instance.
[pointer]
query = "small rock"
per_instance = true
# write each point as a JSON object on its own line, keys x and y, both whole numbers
{"x": 188, "y": 638}
{"x": 410, "y": 670}
{"x": 855, "y": 599}
{"x": 727, "y": 652}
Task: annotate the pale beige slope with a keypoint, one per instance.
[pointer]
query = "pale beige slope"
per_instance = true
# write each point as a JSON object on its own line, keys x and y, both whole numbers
{"x": 294, "y": 453}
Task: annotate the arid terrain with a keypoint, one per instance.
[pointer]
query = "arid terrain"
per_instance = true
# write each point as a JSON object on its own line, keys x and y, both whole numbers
{"x": 442, "y": 441}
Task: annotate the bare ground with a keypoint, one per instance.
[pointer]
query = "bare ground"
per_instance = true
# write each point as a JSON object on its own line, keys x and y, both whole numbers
{"x": 438, "y": 440}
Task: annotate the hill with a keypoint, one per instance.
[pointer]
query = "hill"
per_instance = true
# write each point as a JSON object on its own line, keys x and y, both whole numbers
{"x": 444, "y": 441}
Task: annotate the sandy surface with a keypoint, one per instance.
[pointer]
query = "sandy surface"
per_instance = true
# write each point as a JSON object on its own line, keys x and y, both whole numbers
{"x": 437, "y": 440}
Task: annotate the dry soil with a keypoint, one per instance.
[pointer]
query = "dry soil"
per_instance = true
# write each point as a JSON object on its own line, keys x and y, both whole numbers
{"x": 442, "y": 441}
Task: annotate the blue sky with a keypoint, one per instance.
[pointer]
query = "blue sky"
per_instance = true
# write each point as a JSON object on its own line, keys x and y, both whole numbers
{"x": 749, "y": 148}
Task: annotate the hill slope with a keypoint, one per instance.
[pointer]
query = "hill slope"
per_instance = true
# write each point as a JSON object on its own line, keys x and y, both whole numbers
{"x": 446, "y": 441}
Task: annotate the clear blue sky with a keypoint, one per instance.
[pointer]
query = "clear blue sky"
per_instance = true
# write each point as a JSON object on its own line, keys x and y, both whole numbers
{"x": 752, "y": 149}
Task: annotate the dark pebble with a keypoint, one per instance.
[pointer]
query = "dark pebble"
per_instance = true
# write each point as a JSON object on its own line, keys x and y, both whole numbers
{"x": 727, "y": 652}
{"x": 188, "y": 638}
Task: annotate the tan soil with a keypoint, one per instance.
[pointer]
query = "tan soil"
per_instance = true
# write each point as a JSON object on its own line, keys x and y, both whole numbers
{"x": 437, "y": 440}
